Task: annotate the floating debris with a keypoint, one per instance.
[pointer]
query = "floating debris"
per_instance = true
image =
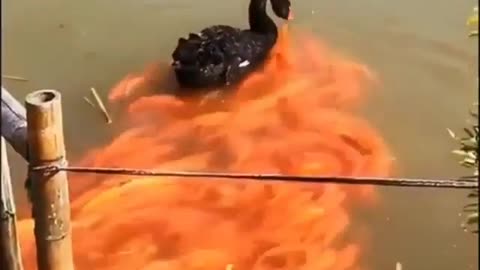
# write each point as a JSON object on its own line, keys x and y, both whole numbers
{"x": 100, "y": 104}
{"x": 89, "y": 102}
{"x": 14, "y": 78}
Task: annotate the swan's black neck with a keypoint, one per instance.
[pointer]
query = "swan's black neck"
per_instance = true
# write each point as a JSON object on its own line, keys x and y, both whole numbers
{"x": 259, "y": 21}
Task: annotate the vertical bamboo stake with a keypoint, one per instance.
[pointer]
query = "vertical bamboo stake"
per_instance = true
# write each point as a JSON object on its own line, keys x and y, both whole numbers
{"x": 10, "y": 257}
{"x": 50, "y": 198}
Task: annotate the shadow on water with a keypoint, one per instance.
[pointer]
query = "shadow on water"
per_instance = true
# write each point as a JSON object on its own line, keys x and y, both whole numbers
{"x": 424, "y": 59}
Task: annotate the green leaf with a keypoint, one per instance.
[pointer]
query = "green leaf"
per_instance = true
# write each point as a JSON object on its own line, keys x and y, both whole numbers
{"x": 469, "y": 178}
{"x": 473, "y": 195}
{"x": 469, "y": 161}
{"x": 460, "y": 152}
{"x": 466, "y": 164}
{"x": 473, "y": 19}
{"x": 472, "y": 207}
{"x": 469, "y": 132}
{"x": 472, "y": 219}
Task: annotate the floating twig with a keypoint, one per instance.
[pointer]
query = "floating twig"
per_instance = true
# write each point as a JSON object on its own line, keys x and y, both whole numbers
{"x": 101, "y": 106}
{"x": 14, "y": 78}
{"x": 90, "y": 102}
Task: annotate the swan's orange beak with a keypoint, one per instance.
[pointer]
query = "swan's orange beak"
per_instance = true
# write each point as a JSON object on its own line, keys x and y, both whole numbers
{"x": 290, "y": 15}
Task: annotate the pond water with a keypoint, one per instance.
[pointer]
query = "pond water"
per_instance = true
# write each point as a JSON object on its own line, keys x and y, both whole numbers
{"x": 420, "y": 50}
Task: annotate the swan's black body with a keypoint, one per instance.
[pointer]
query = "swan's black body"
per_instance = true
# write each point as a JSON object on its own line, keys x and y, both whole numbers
{"x": 222, "y": 55}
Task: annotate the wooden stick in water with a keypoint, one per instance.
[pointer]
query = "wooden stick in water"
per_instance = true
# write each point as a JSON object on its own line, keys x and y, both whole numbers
{"x": 14, "y": 78}
{"x": 10, "y": 255}
{"x": 50, "y": 197}
{"x": 89, "y": 102}
{"x": 101, "y": 105}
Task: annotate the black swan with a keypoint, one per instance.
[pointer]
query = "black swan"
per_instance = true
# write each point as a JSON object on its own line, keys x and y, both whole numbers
{"x": 222, "y": 55}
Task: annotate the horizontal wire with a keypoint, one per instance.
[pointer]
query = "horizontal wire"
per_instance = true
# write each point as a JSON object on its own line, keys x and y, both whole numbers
{"x": 349, "y": 180}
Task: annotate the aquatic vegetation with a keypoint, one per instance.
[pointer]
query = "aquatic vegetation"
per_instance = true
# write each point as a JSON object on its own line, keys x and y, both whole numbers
{"x": 472, "y": 22}
{"x": 468, "y": 150}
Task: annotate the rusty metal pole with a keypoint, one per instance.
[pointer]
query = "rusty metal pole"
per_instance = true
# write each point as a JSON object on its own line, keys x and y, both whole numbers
{"x": 10, "y": 255}
{"x": 50, "y": 198}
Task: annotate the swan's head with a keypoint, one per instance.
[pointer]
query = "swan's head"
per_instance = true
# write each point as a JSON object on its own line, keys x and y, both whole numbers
{"x": 281, "y": 8}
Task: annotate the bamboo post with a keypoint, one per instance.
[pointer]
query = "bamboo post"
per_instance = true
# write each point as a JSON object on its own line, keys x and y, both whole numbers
{"x": 50, "y": 198}
{"x": 10, "y": 256}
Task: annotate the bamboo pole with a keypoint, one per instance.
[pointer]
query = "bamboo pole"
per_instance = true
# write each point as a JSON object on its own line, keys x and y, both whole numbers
{"x": 14, "y": 123}
{"x": 50, "y": 198}
{"x": 10, "y": 256}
